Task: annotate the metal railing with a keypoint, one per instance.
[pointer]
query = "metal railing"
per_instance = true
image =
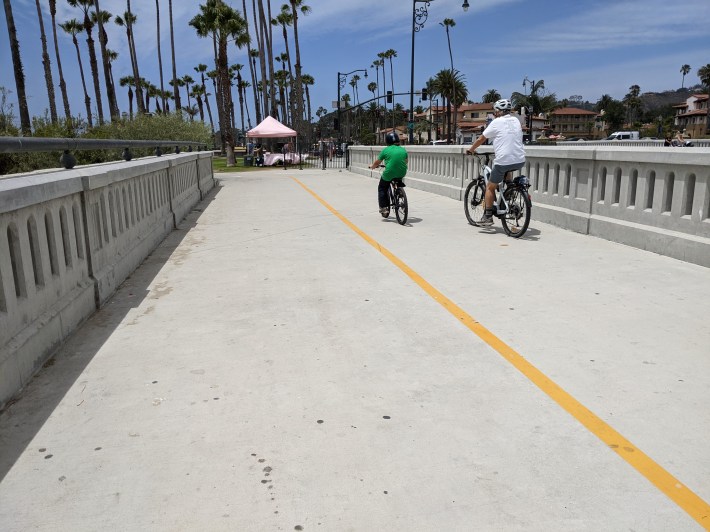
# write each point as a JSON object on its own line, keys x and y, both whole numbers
{"x": 68, "y": 161}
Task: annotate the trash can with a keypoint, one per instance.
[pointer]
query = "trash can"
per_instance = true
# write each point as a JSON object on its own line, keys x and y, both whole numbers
{"x": 248, "y": 160}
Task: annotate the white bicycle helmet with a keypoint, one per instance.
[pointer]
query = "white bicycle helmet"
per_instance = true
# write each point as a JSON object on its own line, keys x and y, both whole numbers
{"x": 503, "y": 105}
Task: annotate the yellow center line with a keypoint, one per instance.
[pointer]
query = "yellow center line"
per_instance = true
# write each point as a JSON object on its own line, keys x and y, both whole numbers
{"x": 684, "y": 497}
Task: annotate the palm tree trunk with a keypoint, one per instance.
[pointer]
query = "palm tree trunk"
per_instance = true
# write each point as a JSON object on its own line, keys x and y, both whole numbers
{"x": 241, "y": 103}
{"x": 160, "y": 56}
{"x": 299, "y": 84}
{"x": 87, "y": 99}
{"x": 62, "y": 83}
{"x": 267, "y": 29}
{"x": 47, "y": 67}
{"x": 224, "y": 123}
{"x": 110, "y": 88}
{"x": 252, "y": 70}
{"x": 176, "y": 92}
{"x": 94, "y": 67}
{"x": 19, "y": 73}
{"x": 134, "y": 61}
{"x": 207, "y": 102}
{"x": 262, "y": 56}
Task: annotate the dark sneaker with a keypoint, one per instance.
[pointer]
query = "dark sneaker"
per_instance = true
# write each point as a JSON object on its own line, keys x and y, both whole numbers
{"x": 485, "y": 221}
{"x": 385, "y": 212}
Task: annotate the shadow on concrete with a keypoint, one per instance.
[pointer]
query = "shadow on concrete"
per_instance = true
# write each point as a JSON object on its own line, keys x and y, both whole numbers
{"x": 24, "y": 416}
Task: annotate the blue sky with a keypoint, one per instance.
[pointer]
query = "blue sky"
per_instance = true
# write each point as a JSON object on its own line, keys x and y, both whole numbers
{"x": 579, "y": 47}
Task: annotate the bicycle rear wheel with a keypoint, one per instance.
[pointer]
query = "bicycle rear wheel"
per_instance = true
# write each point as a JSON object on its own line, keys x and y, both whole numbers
{"x": 474, "y": 201}
{"x": 517, "y": 219}
{"x": 401, "y": 207}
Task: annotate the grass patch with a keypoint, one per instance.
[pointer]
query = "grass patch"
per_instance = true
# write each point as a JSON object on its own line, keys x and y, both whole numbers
{"x": 219, "y": 164}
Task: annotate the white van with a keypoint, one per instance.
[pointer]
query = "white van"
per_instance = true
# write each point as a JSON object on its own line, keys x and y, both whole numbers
{"x": 624, "y": 135}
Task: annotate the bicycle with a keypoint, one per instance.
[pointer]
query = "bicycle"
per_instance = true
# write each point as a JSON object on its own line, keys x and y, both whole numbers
{"x": 512, "y": 204}
{"x": 398, "y": 200}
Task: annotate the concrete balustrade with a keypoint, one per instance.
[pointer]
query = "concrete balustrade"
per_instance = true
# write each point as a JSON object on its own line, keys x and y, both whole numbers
{"x": 653, "y": 198}
{"x": 69, "y": 238}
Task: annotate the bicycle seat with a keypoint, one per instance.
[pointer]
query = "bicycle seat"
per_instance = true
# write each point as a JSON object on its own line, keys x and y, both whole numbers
{"x": 399, "y": 182}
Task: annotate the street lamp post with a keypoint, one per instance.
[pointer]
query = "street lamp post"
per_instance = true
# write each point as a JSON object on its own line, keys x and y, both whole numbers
{"x": 419, "y": 17}
{"x": 342, "y": 80}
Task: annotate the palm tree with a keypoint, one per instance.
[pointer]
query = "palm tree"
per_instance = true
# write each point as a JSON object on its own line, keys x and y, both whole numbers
{"x": 160, "y": 56}
{"x": 100, "y": 18}
{"x": 253, "y": 54}
{"x": 176, "y": 92}
{"x": 128, "y": 81}
{"x": 222, "y": 22}
{"x": 191, "y": 112}
{"x": 25, "y": 124}
{"x": 88, "y": 25}
{"x": 244, "y": 86}
{"x": 111, "y": 57}
{"x": 187, "y": 80}
{"x": 604, "y": 102}
{"x": 176, "y": 84}
{"x": 240, "y": 91}
{"x": 390, "y": 54}
{"x": 704, "y": 75}
{"x": 201, "y": 69}
{"x": 285, "y": 19}
{"x": 377, "y": 64}
{"x": 308, "y": 80}
{"x": 381, "y": 55}
{"x": 372, "y": 87}
{"x": 62, "y": 83}
{"x": 74, "y": 27}
{"x": 296, "y": 6}
{"x": 446, "y": 84}
{"x": 281, "y": 77}
{"x": 632, "y": 102}
{"x": 47, "y": 67}
{"x": 128, "y": 20}
{"x": 684, "y": 70}
{"x": 491, "y": 96}
{"x": 353, "y": 84}
{"x": 197, "y": 93}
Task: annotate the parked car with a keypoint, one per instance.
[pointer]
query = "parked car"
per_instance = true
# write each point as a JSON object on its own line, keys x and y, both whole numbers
{"x": 576, "y": 139}
{"x": 438, "y": 143}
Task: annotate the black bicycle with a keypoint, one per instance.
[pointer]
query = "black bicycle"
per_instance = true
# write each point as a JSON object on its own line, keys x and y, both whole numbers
{"x": 513, "y": 206}
{"x": 398, "y": 201}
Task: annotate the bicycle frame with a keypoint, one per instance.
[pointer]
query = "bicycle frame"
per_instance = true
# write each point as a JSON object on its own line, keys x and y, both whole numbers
{"x": 499, "y": 203}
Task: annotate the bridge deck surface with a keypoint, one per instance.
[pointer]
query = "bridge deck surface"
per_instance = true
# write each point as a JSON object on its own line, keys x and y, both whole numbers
{"x": 269, "y": 367}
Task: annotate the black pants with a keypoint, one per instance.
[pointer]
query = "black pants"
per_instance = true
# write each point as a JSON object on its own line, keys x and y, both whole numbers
{"x": 383, "y": 197}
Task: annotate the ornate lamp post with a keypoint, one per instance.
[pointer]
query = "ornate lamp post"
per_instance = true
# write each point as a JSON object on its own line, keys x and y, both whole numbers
{"x": 419, "y": 17}
{"x": 342, "y": 80}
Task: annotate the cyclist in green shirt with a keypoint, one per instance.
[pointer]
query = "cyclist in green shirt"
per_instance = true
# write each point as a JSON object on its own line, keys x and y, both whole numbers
{"x": 395, "y": 158}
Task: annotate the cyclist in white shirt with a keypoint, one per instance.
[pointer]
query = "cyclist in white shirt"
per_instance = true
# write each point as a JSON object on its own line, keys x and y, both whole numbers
{"x": 507, "y": 135}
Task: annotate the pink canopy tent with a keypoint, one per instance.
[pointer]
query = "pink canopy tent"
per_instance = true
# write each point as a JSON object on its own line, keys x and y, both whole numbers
{"x": 271, "y": 128}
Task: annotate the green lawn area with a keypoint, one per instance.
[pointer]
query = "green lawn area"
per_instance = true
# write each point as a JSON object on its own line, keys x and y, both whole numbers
{"x": 219, "y": 164}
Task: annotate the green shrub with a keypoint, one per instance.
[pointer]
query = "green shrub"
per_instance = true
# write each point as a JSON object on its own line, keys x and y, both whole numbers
{"x": 146, "y": 127}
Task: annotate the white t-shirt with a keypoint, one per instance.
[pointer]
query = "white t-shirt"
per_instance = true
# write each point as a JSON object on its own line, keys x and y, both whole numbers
{"x": 507, "y": 136}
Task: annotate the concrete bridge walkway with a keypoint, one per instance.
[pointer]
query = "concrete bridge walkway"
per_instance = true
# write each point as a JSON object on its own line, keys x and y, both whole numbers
{"x": 287, "y": 360}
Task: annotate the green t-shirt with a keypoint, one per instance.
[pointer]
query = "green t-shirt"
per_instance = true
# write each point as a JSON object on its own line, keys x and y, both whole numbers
{"x": 395, "y": 159}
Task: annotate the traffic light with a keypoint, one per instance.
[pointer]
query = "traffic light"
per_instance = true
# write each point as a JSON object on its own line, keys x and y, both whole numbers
{"x": 425, "y": 94}
{"x": 389, "y": 96}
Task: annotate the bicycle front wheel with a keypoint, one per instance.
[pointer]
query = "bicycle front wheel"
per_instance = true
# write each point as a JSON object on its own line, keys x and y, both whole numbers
{"x": 401, "y": 208}
{"x": 474, "y": 201}
{"x": 517, "y": 219}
